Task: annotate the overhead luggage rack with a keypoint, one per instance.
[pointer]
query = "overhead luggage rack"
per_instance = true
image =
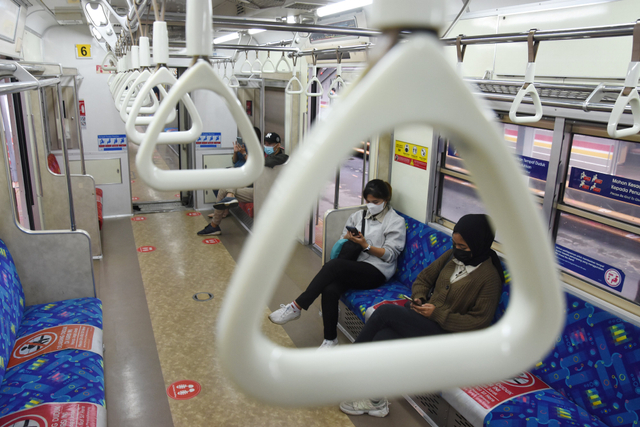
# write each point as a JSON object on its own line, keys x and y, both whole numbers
{"x": 585, "y": 97}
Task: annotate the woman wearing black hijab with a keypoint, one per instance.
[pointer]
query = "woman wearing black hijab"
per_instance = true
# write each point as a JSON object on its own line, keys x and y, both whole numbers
{"x": 458, "y": 292}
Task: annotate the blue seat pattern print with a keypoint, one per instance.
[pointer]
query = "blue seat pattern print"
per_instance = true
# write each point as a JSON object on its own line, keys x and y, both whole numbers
{"x": 11, "y": 305}
{"x": 63, "y": 376}
{"x": 595, "y": 362}
{"x": 423, "y": 246}
{"x": 544, "y": 407}
{"x": 81, "y": 311}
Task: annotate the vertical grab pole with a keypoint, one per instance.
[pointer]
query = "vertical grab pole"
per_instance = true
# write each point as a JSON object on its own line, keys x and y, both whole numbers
{"x": 65, "y": 151}
{"x": 80, "y": 142}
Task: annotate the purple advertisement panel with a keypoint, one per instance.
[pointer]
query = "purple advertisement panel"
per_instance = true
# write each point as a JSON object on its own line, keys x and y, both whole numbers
{"x": 595, "y": 270}
{"x": 610, "y": 186}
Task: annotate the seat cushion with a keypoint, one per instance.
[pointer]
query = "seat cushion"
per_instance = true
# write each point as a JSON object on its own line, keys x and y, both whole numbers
{"x": 81, "y": 311}
{"x": 63, "y": 376}
{"x": 359, "y": 301}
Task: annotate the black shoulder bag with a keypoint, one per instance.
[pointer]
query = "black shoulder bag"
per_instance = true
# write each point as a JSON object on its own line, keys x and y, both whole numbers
{"x": 351, "y": 250}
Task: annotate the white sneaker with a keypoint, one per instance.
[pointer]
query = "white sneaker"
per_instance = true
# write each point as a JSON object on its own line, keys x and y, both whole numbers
{"x": 366, "y": 406}
{"x": 328, "y": 344}
{"x": 285, "y": 313}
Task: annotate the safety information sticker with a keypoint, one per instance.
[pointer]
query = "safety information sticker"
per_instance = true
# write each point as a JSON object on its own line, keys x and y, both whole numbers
{"x": 76, "y": 414}
{"x": 610, "y": 186}
{"x": 112, "y": 142}
{"x": 411, "y": 154}
{"x": 76, "y": 337}
{"x": 535, "y": 168}
{"x": 492, "y": 395}
{"x": 595, "y": 270}
{"x": 209, "y": 140}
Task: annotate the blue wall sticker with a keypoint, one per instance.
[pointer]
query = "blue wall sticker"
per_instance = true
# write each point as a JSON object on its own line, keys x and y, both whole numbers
{"x": 610, "y": 186}
{"x": 112, "y": 142}
{"x": 209, "y": 140}
{"x": 535, "y": 168}
{"x": 611, "y": 277}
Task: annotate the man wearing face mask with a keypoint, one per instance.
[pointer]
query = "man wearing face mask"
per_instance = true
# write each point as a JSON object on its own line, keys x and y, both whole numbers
{"x": 229, "y": 198}
{"x": 381, "y": 242}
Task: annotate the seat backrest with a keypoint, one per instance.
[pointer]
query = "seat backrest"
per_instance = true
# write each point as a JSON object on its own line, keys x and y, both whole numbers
{"x": 423, "y": 246}
{"x": 262, "y": 186}
{"x": 11, "y": 306}
{"x": 333, "y": 224}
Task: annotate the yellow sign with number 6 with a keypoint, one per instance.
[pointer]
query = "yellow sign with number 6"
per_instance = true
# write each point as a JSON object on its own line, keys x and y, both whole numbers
{"x": 83, "y": 50}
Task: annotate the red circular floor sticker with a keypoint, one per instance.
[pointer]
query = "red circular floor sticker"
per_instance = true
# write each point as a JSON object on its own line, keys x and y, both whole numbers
{"x": 138, "y": 218}
{"x": 133, "y": 181}
{"x": 183, "y": 390}
{"x": 211, "y": 241}
{"x": 135, "y": 199}
{"x": 177, "y": 195}
{"x": 194, "y": 214}
{"x": 146, "y": 249}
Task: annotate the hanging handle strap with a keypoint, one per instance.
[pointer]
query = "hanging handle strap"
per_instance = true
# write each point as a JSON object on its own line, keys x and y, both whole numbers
{"x": 294, "y": 80}
{"x": 461, "y": 49}
{"x": 256, "y": 67}
{"x": 528, "y": 88}
{"x": 315, "y": 79}
{"x": 246, "y": 67}
{"x": 272, "y": 68}
{"x": 284, "y": 61}
{"x": 629, "y": 95}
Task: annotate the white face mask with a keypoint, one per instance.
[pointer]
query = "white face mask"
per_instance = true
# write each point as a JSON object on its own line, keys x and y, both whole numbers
{"x": 375, "y": 209}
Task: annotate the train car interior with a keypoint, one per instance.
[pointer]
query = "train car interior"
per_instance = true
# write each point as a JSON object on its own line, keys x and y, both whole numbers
{"x": 180, "y": 180}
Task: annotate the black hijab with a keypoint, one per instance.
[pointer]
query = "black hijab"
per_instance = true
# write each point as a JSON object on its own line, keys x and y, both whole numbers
{"x": 476, "y": 231}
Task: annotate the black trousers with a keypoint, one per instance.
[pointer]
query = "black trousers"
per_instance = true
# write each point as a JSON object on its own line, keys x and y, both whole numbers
{"x": 392, "y": 322}
{"x": 336, "y": 277}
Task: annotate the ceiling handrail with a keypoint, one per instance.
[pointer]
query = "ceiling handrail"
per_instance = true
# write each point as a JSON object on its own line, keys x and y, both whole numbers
{"x": 528, "y": 87}
{"x": 384, "y": 98}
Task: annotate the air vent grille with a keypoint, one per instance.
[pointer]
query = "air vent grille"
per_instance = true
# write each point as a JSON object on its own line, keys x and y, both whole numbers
{"x": 240, "y": 9}
{"x": 303, "y": 6}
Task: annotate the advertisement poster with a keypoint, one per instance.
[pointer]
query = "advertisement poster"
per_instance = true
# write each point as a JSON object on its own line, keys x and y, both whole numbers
{"x": 610, "y": 186}
{"x": 411, "y": 154}
{"x": 595, "y": 270}
{"x": 209, "y": 140}
{"x": 76, "y": 337}
{"x": 112, "y": 142}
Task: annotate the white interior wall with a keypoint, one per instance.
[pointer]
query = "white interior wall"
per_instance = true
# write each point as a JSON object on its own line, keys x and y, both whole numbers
{"x": 411, "y": 184}
{"x": 102, "y": 117}
{"x": 14, "y": 49}
{"x": 32, "y": 47}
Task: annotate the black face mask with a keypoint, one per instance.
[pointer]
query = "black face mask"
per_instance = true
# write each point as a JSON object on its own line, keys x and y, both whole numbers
{"x": 462, "y": 256}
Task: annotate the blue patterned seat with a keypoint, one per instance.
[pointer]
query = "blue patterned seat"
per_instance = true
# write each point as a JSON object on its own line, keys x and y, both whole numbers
{"x": 58, "y": 377}
{"x": 423, "y": 246}
{"x": 595, "y": 365}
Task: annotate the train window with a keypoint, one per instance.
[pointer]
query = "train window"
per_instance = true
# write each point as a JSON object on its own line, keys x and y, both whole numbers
{"x": 599, "y": 254}
{"x": 532, "y": 148}
{"x": 459, "y": 198}
{"x": 604, "y": 177}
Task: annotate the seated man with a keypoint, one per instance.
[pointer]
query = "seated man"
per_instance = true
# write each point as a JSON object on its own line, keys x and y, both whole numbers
{"x": 228, "y": 198}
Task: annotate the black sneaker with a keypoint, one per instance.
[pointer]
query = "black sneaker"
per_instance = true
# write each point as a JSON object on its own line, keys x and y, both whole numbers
{"x": 226, "y": 203}
{"x": 210, "y": 230}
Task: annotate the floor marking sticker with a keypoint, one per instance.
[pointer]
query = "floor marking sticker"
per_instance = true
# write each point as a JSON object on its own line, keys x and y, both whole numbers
{"x": 138, "y": 218}
{"x": 194, "y": 214}
{"x": 183, "y": 390}
{"x": 211, "y": 241}
{"x": 146, "y": 249}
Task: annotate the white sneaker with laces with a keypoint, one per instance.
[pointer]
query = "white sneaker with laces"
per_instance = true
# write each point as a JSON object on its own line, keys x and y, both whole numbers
{"x": 366, "y": 406}
{"x": 285, "y": 313}
{"x": 328, "y": 344}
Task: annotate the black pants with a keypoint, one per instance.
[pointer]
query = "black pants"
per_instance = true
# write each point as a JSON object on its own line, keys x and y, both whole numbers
{"x": 392, "y": 322}
{"x": 336, "y": 277}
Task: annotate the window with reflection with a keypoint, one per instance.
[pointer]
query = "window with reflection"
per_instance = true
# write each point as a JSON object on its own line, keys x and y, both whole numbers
{"x": 604, "y": 177}
{"x": 530, "y": 146}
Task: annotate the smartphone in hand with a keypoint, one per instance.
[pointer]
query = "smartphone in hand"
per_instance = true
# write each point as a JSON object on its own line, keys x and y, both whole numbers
{"x": 352, "y": 230}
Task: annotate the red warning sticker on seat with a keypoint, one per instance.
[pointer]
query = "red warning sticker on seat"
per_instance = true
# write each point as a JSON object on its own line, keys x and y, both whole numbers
{"x": 75, "y": 337}
{"x": 492, "y": 395}
{"x": 183, "y": 390}
{"x": 75, "y": 414}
